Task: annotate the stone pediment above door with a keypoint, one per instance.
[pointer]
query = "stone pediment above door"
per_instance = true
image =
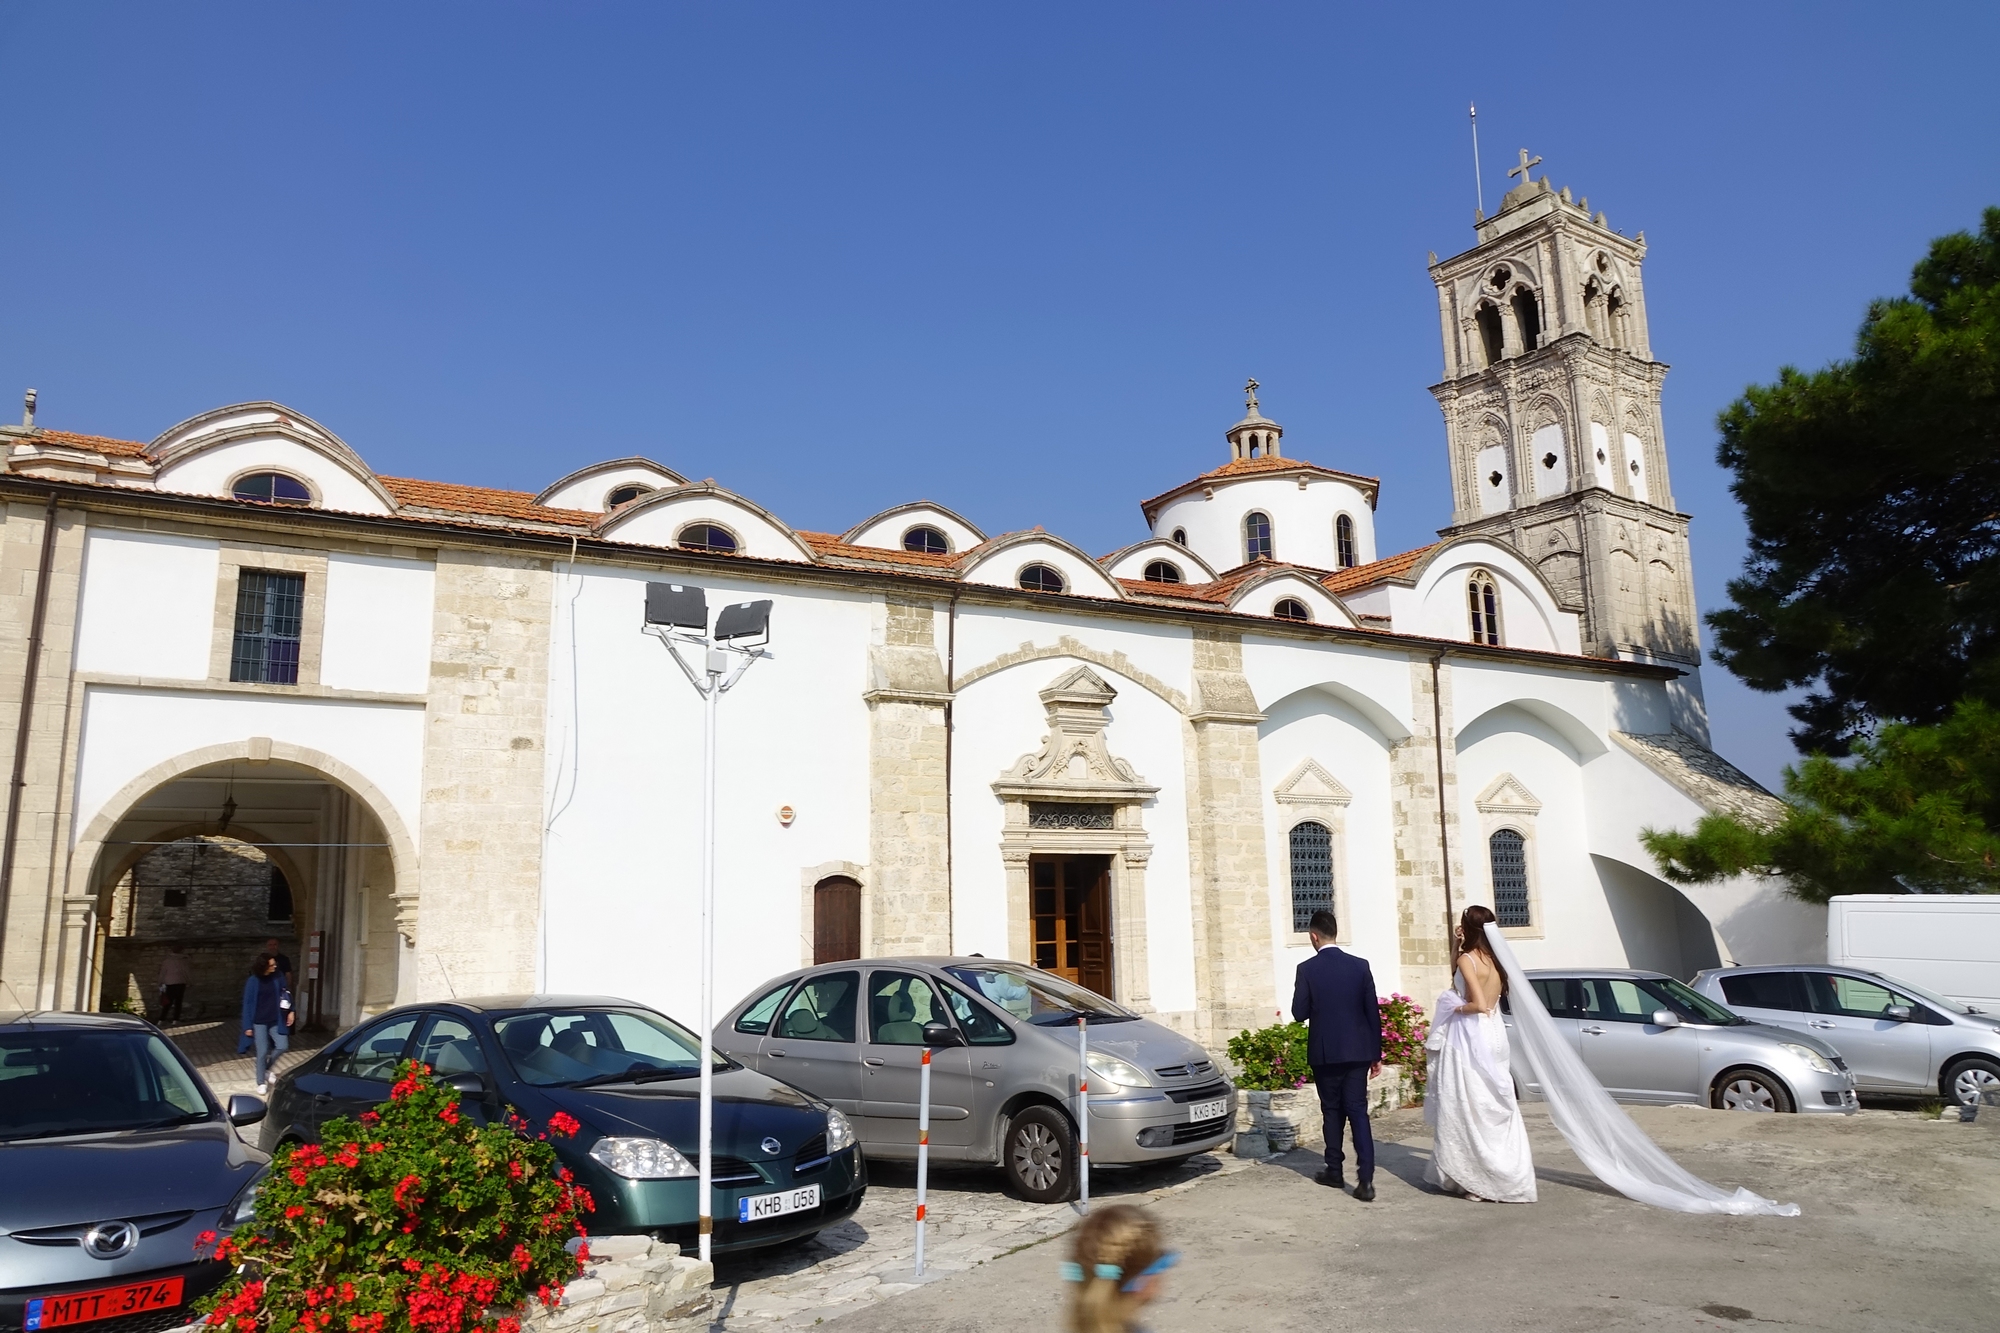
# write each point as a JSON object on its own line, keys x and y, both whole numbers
{"x": 1074, "y": 762}
{"x": 1310, "y": 784}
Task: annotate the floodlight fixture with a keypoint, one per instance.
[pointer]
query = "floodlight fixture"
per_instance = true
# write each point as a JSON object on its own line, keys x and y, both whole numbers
{"x": 743, "y": 620}
{"x": 677, "y": 606}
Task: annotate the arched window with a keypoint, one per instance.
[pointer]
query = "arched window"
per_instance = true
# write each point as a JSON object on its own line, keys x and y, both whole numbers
{"x": 1291, "y": 608}
{"x": 1527, "y": 318}
{"x": 626, "y": 494}
{"x": 1507, "y": 850}
{"x": 1162, "y": 571}
{"x": 272, "y": 488}
{"x": 926, "y": 539}
{"x": 1180, "y": 536}
{"x": 1343, "y": 541}
{"x": 706, "y": 537}
{"x": 1041, "y": 578}
{"x": 1312, "y": 872}
{"x": 1257, "y": 536}
{"x": 1483, "y": 601}
{"x": 1490, "y": 337}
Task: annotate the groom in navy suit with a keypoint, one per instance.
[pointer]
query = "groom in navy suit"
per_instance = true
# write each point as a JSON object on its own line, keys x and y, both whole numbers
{"x": 1335, "y": 994}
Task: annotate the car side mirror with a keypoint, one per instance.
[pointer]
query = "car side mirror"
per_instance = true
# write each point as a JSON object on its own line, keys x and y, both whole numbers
{"x": 246, "y": 1110}
{"x": 1900, "y": 1012}
{"x": 1666, "y": 1018}
{"x": 942, "y": 1034}
{"x": 469, "y": 1084}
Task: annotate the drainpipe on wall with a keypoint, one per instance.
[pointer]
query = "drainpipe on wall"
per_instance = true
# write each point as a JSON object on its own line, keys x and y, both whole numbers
{"x": 18, "y": 782}
{"x": 950, "y": 689}
{"x": 1444, "y": 835}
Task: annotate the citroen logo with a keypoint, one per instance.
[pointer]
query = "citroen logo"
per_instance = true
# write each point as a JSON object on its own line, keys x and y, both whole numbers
{"x": 111, "y": 1240}
{"x": 771, "y": 1146}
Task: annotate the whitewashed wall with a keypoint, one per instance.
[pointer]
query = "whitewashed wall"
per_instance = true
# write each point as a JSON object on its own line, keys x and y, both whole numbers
{"x": 1302, "y": 520}
{"x": 148, "y": 605}
{"x": 212, "y": 471}
{"x": 378, "y": 624}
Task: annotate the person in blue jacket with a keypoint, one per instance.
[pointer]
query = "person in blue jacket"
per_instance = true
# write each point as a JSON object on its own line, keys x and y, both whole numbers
{"x": 1336, "y": 997}
{"x": 267, "y": 1016}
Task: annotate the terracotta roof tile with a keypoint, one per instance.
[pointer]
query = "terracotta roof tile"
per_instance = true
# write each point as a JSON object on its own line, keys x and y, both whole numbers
{"x": 1395, "y": 566}
{"x": 827, "y": 544}
{"x": 449, "y": 498}
{"x": 97, "y": 444}
{"x": 1241, "y": 467}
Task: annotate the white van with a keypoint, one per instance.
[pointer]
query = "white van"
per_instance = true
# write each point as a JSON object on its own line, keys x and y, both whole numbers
{"x": 1945, "y": 942}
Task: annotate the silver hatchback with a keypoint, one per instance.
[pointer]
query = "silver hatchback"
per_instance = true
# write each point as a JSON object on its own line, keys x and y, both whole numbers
{"x": 1003, "y": 1041}
{"x": 1897, "y": 1037}
{"x": 1652, "y": 1039}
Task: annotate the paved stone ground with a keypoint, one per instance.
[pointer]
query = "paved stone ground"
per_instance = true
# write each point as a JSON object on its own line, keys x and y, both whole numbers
{"x": 212, "y": 1049}
{"x": 1901, "y": 1221}
{"x": 871, "y": 1257}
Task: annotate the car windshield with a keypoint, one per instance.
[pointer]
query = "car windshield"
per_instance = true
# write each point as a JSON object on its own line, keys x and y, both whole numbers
{"x": 1691, "y": 1004}
{"x": 1928, "y": 997}
{"x": 1038, "y": 997}
{"x": 569, "y": 1047}
{"x": 85, "y": 1081}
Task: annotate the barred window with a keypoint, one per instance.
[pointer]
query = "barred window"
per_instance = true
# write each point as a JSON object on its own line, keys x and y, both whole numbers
{"x": 1508, "y": 852}
{"x": 269, "y": 609}
{"x": 1312, "y": 872}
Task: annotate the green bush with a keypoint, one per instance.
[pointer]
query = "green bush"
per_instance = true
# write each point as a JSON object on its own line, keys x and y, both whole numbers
{"x": 1272, "y": 1059}
{"x": 407, "y": 1220}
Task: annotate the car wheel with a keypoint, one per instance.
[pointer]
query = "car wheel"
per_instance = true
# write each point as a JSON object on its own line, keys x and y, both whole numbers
{"x": 1749, "y": 1090}
{"x": 1965, "y": 1081}
{"x": 1040, "y": 1160}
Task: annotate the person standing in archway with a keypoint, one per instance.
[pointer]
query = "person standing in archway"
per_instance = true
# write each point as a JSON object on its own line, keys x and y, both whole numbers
{"x": 173, "y": 984}
{"x": 275, "y": 948}
{"x": 267, "y": 1016}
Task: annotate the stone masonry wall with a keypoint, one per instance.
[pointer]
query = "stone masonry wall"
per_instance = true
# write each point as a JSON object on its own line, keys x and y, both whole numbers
{"x": 484, "y": 746}
{"x": 907, "y": 895}
{"x": 631, "y": 1284}
{"x": 1229, "y": 874}
{"x": 1413, "y": 808}
{"x": 42, "y": 962}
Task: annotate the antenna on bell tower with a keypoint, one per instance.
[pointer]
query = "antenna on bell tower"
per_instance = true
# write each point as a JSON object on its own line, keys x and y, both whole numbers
{"x": 1478, "y": 186}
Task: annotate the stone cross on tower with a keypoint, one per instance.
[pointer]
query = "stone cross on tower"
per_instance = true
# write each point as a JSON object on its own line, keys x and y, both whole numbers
{"x": 1527, "y": 164}
{"x": 1250, "y": 388}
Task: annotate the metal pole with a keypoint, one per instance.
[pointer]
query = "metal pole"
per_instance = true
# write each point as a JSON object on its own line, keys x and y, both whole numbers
{"x": 923, "y": 1150}
{"x": 1083, "y": 1113}
{"x": 714, "y": 665}
{"x": 1478, "y": 186}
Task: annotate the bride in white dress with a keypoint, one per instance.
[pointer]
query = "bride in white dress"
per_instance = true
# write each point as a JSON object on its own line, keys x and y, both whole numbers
{"x": 1481, "y": 1146}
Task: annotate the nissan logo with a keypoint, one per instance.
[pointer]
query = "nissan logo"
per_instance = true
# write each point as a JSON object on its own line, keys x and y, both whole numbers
{"x": 771, "y": 1146}
{"x": 111, "y": 1240}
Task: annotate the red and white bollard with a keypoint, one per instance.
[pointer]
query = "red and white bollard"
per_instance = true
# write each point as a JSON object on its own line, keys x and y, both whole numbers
{"x": 923, "y": 1149}
{"x": 1083, "y": 1113}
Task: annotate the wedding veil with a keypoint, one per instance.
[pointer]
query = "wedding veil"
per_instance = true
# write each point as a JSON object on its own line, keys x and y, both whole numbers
{"x": 1607, "y": 1140}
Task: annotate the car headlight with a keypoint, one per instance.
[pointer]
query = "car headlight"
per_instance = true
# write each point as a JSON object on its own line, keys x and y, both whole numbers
{"x": 839, "y": 1131}
{"x": 642, "y": 1159}
{"x": 1819, "y": 1063}
{"x": 243, "y": 1208}
{"x": 1113, "y": 1070}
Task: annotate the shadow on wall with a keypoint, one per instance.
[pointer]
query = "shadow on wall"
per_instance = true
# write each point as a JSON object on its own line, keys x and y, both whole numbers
{"x": 1660, "y": 929}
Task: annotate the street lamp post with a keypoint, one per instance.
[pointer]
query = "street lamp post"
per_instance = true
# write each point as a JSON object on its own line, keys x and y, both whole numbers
{"x": 677, "y": 614}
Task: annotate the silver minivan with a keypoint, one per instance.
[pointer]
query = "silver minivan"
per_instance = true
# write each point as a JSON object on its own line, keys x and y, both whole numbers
{"x": 1003, "y": 1042}
{"x": 1651, "y": 1039}
{"x": 1898, "y": 1038}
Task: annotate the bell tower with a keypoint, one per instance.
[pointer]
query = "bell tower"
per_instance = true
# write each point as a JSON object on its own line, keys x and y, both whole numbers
{"x": 1551, "y": 401}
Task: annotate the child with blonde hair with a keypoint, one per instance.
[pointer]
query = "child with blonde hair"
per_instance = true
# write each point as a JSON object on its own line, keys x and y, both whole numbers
{"x": 1117, "y": 1264}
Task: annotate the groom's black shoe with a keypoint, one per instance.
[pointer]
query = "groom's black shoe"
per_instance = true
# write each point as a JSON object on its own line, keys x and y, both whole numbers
{"x": 1331, "y": 1179}
{"x": 1365, "y": 1191}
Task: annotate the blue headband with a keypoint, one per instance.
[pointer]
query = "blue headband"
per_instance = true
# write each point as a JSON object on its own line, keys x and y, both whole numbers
{"x": 1073, "y": 1272}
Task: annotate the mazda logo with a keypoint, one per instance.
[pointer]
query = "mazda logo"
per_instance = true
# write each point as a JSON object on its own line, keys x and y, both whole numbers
{"x": 111, "y": 1240}
{"x": 771, "y": 1146}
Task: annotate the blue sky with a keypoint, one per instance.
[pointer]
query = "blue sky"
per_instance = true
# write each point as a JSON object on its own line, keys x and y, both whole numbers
{"x": 1016, "y": 258}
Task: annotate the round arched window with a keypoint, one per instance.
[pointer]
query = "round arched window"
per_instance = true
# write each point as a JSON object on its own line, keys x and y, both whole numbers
{"x": 1041, "y": 578}
{"x": 626, "y": 494}
{"x": 272, "y": 488}
{"x": 926, "y": 539}
{"x": 1291, "y": 608}
{"x": 1257, "y": 537}
{"x": 1343, "y": 541}
{"x": 706, "y": 537}
{"x": 1162, "y": 571}
{"x": 1180, "y": 536}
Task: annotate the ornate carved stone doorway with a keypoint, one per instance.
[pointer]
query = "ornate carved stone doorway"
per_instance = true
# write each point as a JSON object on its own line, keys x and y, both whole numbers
{"x": 1069, "y": 902}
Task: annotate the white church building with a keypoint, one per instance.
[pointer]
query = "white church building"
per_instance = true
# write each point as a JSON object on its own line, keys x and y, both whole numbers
{"x": 432, "y": 709}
